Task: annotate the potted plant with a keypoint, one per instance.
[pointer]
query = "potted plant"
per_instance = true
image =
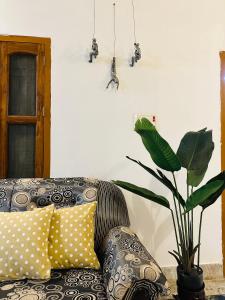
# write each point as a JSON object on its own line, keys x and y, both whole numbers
{"x": 194, "y": 153}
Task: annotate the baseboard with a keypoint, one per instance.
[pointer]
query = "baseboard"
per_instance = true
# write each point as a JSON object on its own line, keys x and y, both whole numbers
{"x": 211, "y": 272}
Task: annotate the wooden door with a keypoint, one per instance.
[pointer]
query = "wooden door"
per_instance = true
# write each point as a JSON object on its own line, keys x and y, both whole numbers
{"x": 24, "y": 107}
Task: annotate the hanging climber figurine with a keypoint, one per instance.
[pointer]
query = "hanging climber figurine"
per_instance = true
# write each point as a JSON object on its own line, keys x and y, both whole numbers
{"x": 137, "y": 54}
{"x": 94, "y": 52}
{"x": 94, "y": 48}
{"x": 137, "y": 51}
{"x": 114, "y": 79}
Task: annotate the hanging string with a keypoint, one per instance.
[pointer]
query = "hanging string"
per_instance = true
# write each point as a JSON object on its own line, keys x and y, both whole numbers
{"x": 134, "y": 22}
{"x": 94, "y": 18}
{"x": 114, "y": 25}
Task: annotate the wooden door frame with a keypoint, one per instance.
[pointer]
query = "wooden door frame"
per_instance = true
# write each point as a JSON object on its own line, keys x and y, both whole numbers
{"x": 45, "y": 43}
{"x": 222, "y": 95}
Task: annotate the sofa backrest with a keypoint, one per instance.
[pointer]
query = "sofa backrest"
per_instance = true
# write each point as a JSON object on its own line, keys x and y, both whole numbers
{"x": 6, "y": 189}
{"x": 26, "y": 194}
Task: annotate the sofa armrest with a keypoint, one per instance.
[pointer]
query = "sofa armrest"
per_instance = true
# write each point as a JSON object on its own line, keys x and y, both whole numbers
{"x": 129, "y": 271}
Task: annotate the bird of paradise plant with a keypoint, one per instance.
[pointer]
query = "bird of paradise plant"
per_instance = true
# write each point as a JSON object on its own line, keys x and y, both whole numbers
{"x": 194, "y": 153}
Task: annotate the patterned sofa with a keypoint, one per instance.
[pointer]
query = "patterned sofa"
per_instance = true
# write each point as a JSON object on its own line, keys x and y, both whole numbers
{"x": 128, "y": 271}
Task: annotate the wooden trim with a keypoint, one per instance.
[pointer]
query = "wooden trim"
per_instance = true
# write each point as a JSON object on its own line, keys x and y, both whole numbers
{"x": 39, "y": 155}
{"x": 222, "y": 94}
{"x": 25, "y": 39}
{"x": 3, "y": 110}
{"x": 13, "y": 47}
{"x": 21, "y": 119}
{"x": 47, "y": 112}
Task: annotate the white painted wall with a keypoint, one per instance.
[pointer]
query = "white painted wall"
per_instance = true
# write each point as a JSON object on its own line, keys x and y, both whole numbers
{"x": 178, "y": 80}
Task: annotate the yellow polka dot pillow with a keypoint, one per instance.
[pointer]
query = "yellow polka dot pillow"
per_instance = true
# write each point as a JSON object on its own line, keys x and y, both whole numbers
{"x": 24, "y": 244}
{"x": 71, "y": 238}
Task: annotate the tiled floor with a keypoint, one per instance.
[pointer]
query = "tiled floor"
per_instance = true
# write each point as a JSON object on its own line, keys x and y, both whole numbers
{"x": 211, "y": 271}
{"x": 213, "y": 287}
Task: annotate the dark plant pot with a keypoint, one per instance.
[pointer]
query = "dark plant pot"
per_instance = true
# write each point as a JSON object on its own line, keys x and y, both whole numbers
{"x": 190, "y": 286}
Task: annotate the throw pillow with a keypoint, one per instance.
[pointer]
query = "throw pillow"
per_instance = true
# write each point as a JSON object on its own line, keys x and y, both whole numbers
{"x": 24, "y": 244}
{"x": 71, "y": 238}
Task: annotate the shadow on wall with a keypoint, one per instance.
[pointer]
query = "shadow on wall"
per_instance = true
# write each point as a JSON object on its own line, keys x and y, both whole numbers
{"x": 151, "y": 222}
{"x": 115, "y": 169}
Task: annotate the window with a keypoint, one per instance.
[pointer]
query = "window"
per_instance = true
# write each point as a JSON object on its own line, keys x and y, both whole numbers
{"x": 24, "y": 107}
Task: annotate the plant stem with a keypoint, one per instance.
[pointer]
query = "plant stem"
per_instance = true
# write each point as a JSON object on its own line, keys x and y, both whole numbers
{"x": 184, "y": 228}
{"x": 175, "y": 229}
{"x": 181, "y": 236}
{"x": 178, "y": 223}
{"x": 188, "y": 215}
{"x": 190, "y": 238}
{"x": 192, "y": 218}
{"x": 186, "y": 231}
{"x": 199, "y": 237}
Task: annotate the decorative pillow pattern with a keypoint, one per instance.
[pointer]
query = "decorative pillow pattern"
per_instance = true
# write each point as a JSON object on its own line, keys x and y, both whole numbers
{"x": 24, "y": 244}
{"x": 62, "y": 192}
{"x": 71, "y": 238}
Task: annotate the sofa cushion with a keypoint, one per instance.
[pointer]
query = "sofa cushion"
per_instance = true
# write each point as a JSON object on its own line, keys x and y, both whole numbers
{"x": 24, "y": 244}
{"x": 73, "y": 284}
{"x": 71, "y": 238}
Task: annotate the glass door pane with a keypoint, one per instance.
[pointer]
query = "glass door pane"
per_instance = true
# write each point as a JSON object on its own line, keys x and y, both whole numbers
{"x": 21, "y": 151}
{"x": 22, "y": 85}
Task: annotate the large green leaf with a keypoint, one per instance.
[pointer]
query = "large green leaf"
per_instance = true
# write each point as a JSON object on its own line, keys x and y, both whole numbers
{"x": 194, "y": 153}
{"x": 203, "y": 193}
{"x": 143, "y": 192}
{"x": 160, "y": 151}
{"x": 195, "y": 177}
{"x": 212, "y": 199}
{"x": 162, "y": 178}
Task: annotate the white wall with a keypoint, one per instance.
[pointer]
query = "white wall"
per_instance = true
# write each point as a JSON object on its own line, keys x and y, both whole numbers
{"x": 177, "y": 79}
